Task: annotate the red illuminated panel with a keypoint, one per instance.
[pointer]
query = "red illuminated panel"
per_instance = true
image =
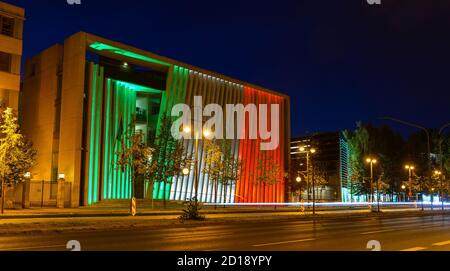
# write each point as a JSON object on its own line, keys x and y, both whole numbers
{"x": 248, "y": 189}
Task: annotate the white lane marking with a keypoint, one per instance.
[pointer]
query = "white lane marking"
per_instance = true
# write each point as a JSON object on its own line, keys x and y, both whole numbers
{"x": 198, "y": 236}
{"x": 380, "y": 231}
{"x": 285, "y": 242}
{"x": 442, "y": 243}
{"x": 31, "y": 248}
{"x": 414, "y": 249}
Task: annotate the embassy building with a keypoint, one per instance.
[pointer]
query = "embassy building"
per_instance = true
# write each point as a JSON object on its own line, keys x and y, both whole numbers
{"x": 78, "y": 94}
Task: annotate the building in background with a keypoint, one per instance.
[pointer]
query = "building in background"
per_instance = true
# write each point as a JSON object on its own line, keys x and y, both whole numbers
{"x": 11, "y": 29}
{"x": 77, "y": 94}
{"x": 331, "y": 166}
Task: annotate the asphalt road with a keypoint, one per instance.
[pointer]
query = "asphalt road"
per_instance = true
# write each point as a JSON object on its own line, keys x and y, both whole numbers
{"x": 414, "y": 233}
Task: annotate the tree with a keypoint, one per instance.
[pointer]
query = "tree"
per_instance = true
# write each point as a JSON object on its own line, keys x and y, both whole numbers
{"x": 320, "y": 174}
{"x": 415, "y": 184}
{"x": 381, "y": 184}
{"x": 232, "y": 166}
{"x": 214, "y": 166}
{"x": 446, "y": 156}
{"x": 221, "y": 165}
{"x": 321, "y": 177}
{"x": 17, "y": 155}
{"x": 268, "y": 172}
{"x": 446, "y": 165}
{"x": 358, "y": 148}
{"x": 168, "y": 155}
{"x": 387, "y": 146}
{"x": 136, "y": 156}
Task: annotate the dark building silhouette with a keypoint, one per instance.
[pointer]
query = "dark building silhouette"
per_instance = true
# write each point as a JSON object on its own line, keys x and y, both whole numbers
{"x": 329, "y": 163}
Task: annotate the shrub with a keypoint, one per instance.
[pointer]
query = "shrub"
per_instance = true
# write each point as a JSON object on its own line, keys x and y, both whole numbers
{"x": 192, "y": 211}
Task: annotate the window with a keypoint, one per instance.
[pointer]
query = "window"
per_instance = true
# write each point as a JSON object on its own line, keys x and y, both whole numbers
{"x": 5, "y": 62}
{"x": 7, "y": 26}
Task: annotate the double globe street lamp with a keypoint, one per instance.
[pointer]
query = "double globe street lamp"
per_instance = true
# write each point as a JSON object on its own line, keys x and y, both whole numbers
{"x": 310, "y": 151}
{"x": 373, "y": 161}
{"x": 410, "y": 171}
{"x": 205, "y": 134}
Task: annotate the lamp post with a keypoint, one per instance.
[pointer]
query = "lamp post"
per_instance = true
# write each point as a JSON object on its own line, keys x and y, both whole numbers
{"x": 410, "y": 170}
{"x": 403, "y": 189}
{"x": 308, "y": 151}
{"x": 206, "y": 133}
{"x": 438, "y": 174}
{"x": 299, "y": 180}
{"x": 303, "y": 150}
{"x": 373, "y": 161}
{"x": 432, "y": 198}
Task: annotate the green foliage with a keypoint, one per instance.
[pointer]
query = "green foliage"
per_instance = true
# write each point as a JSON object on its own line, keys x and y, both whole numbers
{"x": 168, "y": 157}
{"x": 445, "y": 148}
{"x": 320, "y": 174}
{"x": 221, "y": 164}
{"x": 192, "y": 211}
{"x": 383, "y": 144}
{"x": 358, "y": 143}
{"x": 17, "y": 155}
{"x": 268, "y": 171}
{"x": 136, "y": 155}
{"x": 393, "y": 152}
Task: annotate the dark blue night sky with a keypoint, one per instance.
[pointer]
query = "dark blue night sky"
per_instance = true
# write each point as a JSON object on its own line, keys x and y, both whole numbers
{"x": 341, "y": 61}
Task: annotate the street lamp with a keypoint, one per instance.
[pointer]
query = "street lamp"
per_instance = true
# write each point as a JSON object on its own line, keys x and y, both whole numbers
{"x": 187, "y": 129}
{"x": 206, "y": 133}
{"x": 185, "y": 171}
{"x": 438, "y": 174}
{"x": 308, "y": 151}
{"x": 410, "y": 170}
{"x": 403, "y": 189}
{"x": 373, "y": 161}
{"x": 299, "y": 180}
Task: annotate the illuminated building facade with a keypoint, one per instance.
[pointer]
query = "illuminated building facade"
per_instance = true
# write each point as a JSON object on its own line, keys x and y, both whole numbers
{"x": 80, "y": 93}
{"x": 331, "y": 164}
{"x": 11, "y": 29}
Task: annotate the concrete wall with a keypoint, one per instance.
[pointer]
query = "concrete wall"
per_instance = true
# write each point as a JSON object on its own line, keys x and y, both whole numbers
{"x": 10, "y": 81}
{"x": 38, "y": 118}
{"x": 71, "y": 124}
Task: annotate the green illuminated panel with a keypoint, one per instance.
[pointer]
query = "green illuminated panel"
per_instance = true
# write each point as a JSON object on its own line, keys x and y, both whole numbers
{"x": 175, "y": 94}
{"x": 112, "y": 107}
{"x": 105, "y": 47}
{"x": 95, "y": 132}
